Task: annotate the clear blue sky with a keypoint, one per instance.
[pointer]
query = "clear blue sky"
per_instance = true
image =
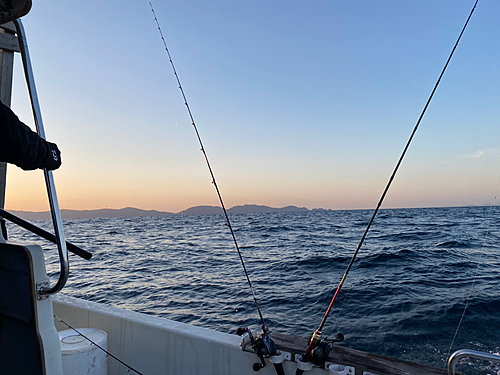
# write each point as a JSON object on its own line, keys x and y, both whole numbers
{"x": 297, "y": 103}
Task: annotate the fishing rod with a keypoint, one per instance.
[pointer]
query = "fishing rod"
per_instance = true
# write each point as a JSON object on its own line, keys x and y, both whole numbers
{"x": 318, "y": 349}
{"x": 263, "y": 345}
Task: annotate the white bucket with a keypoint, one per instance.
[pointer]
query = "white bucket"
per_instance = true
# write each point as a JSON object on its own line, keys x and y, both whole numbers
{"x": 80, "y": 356}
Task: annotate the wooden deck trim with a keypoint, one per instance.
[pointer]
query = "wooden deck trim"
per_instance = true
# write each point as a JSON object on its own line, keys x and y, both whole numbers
{"x": 362, "y": 361}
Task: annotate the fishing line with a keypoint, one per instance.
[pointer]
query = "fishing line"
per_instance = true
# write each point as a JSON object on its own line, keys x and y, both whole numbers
{"x": 318, "y": 331}
{"x": 210, "y": 169}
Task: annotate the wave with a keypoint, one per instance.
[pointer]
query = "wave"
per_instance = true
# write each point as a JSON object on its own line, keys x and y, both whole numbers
{"x": 455, "y": 245}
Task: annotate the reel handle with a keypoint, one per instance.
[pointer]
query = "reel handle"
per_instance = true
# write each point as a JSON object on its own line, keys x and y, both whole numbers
{"x": 258, "y": 366}
{"x": 241, "y": 331}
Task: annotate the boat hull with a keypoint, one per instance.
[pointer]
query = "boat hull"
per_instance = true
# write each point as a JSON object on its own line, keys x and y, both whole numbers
{"x": 154, "y": 345}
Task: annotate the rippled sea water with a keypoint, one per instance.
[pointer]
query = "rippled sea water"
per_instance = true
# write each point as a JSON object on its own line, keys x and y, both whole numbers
{"x": 404, "y": 297}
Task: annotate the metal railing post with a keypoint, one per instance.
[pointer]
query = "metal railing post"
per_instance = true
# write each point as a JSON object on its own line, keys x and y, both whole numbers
{"x": 466, "y": 353}
{"x": 44, "y": 290}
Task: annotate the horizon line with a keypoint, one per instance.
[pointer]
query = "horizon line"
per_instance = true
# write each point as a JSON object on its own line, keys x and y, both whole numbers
{"x": 251, "y": 204}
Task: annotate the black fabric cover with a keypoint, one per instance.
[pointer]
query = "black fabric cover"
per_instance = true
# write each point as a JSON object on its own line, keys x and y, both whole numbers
{"x": 21, "y": 351}
{"x": 23, "y": 147}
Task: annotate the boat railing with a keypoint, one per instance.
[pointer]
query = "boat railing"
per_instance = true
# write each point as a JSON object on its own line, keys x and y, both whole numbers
{"x": 467, "y": 353}
{"x": 44, "y": 234}
{"x": 44, "y": 289}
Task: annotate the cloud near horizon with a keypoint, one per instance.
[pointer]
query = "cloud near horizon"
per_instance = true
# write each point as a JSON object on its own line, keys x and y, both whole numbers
{"x": 481, "y": 154}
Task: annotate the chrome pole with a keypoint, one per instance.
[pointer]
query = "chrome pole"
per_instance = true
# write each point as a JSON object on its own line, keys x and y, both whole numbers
{"x": 44, "y": 290}
{"x": 467, "y": 353}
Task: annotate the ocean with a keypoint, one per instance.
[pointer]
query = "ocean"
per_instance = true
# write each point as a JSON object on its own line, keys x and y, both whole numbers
{"x": 417, "y": 273}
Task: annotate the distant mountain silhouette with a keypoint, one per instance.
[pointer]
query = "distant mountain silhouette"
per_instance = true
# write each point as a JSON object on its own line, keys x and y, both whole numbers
{"x": 86, "y": 214}
{"x": 254, "y": 208}
{"x": 136, "y": 212}
{"x": 202, "y": 210}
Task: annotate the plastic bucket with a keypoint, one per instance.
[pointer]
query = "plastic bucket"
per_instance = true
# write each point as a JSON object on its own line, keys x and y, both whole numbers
{"x": 80, "y": 356}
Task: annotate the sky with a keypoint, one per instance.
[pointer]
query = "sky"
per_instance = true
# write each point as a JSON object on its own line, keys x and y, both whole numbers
{"x": 297, "y": 103}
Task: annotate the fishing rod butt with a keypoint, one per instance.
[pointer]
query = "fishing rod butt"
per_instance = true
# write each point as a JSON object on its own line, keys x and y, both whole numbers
{"x": 303, "y": 366}
{"x": 277, "y": 360}
{"x": 279, "y": 368}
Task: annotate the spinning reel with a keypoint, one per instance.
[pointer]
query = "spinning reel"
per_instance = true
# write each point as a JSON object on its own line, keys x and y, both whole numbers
{"x": 317, "y": 353}
{"x": 320, "y": 353}
{"x": 264, "y": 347}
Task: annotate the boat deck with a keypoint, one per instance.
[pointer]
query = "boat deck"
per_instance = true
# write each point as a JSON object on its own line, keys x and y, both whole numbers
{"x": 362, "y": 361}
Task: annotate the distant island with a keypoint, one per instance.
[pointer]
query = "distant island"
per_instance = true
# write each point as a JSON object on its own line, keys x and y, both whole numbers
{"x": 136, "y": 212}
{"x": 197, "y": 210}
